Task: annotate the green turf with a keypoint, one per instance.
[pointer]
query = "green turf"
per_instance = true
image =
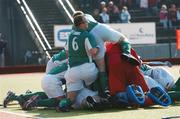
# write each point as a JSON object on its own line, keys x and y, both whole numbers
{"x": 155, "y": 112}
{"x": 19, "y": 83}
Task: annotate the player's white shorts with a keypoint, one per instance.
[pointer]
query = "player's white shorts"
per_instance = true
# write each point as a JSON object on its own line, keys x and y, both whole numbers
{"x": 50, "y": 64}
{"x": 52, "y": 86}
{"x": 162, "y": 76}
{"x": 102, "y": 33}
{"x": 82, "y": 94}
{"x": 77, "y": 76}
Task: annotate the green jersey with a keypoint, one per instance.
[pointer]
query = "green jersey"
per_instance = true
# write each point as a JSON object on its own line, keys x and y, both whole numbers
{"x": 59, "y": 69}
{"x": 59, "y": 56}
{"x": 79, "y": 42}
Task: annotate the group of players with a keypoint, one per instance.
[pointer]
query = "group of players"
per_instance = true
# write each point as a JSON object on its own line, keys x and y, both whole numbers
{"x": 81, "y": 76}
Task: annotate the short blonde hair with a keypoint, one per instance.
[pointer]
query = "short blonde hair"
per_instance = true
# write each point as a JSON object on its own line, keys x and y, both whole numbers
{"x": 76, "y": 13}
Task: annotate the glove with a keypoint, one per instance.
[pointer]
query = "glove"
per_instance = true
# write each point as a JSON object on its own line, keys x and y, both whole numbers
{"x": 126, "y": 53}
{"x": 131, "y": 59}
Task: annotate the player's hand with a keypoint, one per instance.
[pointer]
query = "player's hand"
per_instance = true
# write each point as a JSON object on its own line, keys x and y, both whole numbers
{"x": 94, "y": 51}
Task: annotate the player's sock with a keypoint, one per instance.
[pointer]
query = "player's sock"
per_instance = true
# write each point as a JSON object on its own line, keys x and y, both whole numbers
{"x": 103, "y": 79}
{"x": 14, "y": 98}
{"x": 95, "y": 86}
{"x": 175, "y": 95}
{"x": 51, "y": 102}
{"x": 26, "y": 97}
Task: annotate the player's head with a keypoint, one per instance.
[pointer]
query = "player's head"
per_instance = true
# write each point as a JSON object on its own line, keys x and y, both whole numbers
{"x": 76, "y": 13}
{"x": 80, "y": 22}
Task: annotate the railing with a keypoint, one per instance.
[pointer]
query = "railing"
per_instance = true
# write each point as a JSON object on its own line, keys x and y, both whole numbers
{"x": 34, "y": 26}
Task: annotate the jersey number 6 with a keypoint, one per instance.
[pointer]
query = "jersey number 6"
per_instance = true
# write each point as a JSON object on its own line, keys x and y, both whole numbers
{"x": 75, "y": 44}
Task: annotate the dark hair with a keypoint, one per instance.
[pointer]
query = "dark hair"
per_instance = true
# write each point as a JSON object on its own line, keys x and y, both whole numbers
{"x": 77, "y": 13}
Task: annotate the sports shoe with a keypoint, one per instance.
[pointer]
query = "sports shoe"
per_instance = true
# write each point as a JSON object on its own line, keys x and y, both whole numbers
{"x": 8, "y": 98}
{"x": 28, "y": 92}
{"x": 94, "y": 104}
{"x": 167, "y": 63}
{"x": 31, "y": 103}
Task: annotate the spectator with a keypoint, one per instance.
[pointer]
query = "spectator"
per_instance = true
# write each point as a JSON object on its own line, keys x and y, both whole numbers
{"x": 3, "y": 44}
{"x": 122, "y": 3}
{"x": 144, "y": 5}
{"x": 102, "y": 6}
{"x": 113, "y": 12}
{"x": 163, "y": 15}
{"x": 137, "y": 5}
{"x": 97, "y": 16}
{"x": 28, "y": 57}
{"x": 125, "y": 16}
{"x": 84, "y": 5}
{"x": 165, "y": 2}
{"x": 178, "y": 17}
{"x": 172, "y": 16}
{"x": 116, "y": 14}
{"x": 153, "y": 7}
{"x": 105, "y": 16}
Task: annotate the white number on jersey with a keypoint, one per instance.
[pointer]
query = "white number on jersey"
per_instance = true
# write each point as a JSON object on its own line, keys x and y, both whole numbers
{"x": 75, "y": 44}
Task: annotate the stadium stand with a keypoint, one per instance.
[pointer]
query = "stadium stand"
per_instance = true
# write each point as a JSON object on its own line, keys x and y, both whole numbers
{"x": 48, "y": 13}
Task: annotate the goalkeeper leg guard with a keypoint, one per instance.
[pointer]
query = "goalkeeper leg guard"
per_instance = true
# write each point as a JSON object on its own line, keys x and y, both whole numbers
{"x": 135, "y": 94}
{"x": 159, "y": 96}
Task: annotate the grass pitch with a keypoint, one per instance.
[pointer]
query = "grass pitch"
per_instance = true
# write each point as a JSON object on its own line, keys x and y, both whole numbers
{"x": 19, "y": 83}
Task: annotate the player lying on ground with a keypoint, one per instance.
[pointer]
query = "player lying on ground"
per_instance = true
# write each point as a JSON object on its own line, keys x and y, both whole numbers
{"x": 86, "y": 99}
{"x": 119, "y": 77}
{"x": 52, "y": 85}
{"x": 160, "y": 75}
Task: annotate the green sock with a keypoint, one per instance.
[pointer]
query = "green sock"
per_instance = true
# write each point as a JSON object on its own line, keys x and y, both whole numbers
{"x": 14, "y": 98}
{"x": 103, "y": 79}
{"x": 125, "y": 46}
{"x": 175, "y": 95}
{"x": 95, "y": 86}
{"x": 26, "y": 97}
{"x": 51, "y": 102}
